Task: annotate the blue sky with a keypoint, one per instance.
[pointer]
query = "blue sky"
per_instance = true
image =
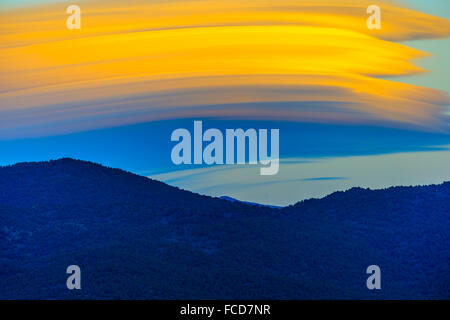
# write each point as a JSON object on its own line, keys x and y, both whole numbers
{"x": 317, "y": 158}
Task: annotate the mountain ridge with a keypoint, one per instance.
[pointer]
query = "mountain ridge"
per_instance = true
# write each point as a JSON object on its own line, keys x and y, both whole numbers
{"x": 138, "y": 238}
{"x": 68, "y": 160}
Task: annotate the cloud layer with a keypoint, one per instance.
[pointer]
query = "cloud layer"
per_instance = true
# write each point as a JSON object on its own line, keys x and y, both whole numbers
{"x": 138, "y": 61}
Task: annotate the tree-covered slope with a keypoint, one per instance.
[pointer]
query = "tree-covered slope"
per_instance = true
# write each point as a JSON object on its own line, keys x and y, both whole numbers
{"x": 134, "y": 237}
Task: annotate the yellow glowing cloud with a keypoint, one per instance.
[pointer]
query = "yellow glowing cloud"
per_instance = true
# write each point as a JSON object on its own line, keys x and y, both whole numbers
{"x": 164, "y": 59}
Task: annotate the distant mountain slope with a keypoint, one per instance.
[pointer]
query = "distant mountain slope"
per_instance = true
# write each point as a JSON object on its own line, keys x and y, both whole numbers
{"x": 247, "y": 202}
{"x": 134, "y": 237}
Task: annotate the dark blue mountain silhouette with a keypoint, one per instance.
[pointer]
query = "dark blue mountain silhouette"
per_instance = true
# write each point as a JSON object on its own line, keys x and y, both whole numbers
{"x": 136, "y": 238}
{"x": 247, "y": 202}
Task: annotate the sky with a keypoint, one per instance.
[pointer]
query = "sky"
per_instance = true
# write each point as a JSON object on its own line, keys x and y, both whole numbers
{"x": 355, "y": 107}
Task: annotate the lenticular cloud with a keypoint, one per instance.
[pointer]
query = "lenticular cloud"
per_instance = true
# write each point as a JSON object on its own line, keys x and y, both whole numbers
{"x": 142, "y": 61}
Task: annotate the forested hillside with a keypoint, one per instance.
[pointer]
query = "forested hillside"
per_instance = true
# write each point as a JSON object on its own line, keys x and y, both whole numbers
{"x": 137, "y": 238}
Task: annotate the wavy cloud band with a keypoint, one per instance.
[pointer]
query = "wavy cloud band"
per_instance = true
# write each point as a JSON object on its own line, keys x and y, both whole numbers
{"x": 141, "y": 61}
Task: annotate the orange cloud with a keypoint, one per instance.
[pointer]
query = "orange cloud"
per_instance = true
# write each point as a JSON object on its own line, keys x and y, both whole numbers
{"x": 145, "y": 61}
